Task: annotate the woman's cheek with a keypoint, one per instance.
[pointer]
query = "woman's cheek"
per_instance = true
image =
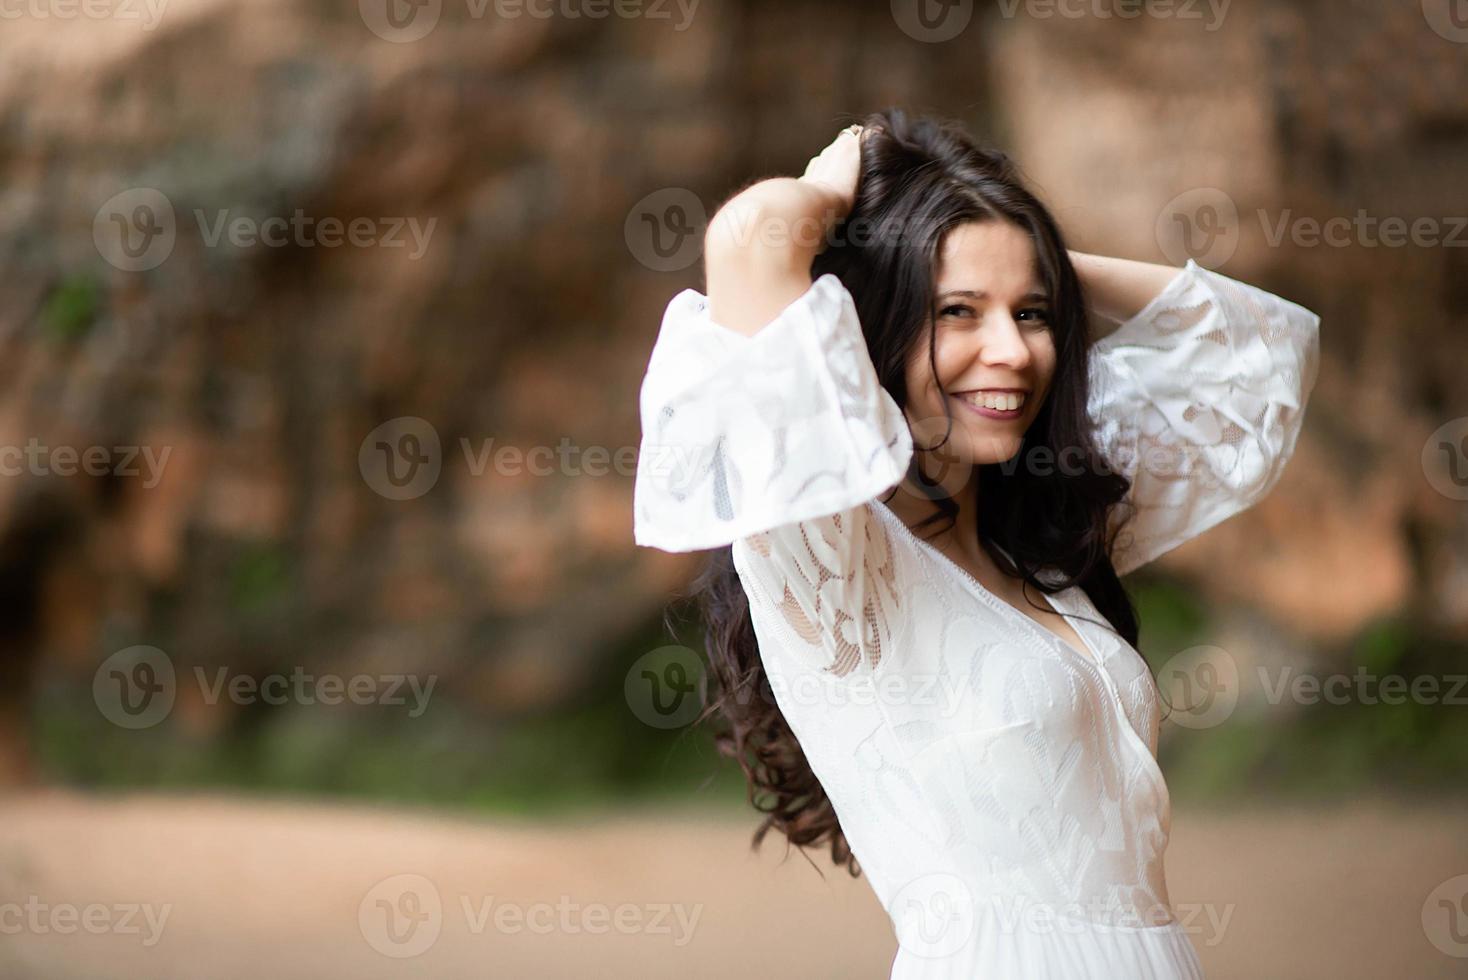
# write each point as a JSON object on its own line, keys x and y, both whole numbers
{"x": 1045, "y": 358}
{"x": 928, "y": 402}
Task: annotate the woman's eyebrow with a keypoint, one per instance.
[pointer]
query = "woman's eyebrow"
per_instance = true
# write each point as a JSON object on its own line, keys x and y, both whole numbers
{"x": 1033, "y": 296}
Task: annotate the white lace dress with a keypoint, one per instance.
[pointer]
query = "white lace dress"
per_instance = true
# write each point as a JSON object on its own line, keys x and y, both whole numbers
{"x": 998, "y": 787}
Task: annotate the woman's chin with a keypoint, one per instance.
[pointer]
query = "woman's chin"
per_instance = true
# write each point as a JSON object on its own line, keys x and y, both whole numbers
{"x": 984, "y": 449}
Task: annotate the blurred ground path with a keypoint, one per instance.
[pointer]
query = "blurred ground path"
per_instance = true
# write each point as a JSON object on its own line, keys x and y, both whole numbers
{"x": 287, "y": 890}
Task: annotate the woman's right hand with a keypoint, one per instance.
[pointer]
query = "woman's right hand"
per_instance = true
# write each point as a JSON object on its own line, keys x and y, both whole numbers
{"x": 837, "y": 167}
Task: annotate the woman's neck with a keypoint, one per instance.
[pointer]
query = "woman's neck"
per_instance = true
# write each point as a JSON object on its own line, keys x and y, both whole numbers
{"x": 912, "y": 506}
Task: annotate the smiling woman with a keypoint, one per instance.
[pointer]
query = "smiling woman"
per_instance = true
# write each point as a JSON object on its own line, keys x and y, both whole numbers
{"x": 842, "y": 400}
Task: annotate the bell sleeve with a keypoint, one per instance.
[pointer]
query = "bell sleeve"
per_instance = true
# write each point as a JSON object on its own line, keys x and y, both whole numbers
{"x": 1198, "y": 400}
{"x": 775, "y": 443}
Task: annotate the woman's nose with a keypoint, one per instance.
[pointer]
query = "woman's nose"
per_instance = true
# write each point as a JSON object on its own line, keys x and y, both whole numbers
{"x": 1003, "y": 343}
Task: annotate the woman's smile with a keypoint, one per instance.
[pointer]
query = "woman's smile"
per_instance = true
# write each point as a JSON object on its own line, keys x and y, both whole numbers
{"x": 1004, "y": 404}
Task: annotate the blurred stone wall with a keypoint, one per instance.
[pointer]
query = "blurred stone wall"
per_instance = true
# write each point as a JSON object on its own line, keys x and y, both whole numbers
{"x": 533, "y": 146}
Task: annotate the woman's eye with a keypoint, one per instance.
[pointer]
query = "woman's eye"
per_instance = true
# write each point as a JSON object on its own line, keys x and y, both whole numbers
{"x": 958, "y": 310}
{"x": 1036, "y": 315}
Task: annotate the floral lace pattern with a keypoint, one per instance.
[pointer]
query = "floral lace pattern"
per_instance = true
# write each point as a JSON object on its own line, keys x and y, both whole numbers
{"x": 1198, "y": 400}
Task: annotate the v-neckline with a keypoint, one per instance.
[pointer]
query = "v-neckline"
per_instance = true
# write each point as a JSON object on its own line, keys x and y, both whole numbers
{"x": 1091, "y": 656}
{"x": 1096, "y": 660}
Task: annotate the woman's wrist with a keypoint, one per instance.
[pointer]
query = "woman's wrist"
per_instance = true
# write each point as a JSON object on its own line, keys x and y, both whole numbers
{"x": 1118, "y": 289}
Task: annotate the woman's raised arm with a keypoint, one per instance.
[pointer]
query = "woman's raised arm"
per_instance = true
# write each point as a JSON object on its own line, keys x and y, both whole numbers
{"x": 764, "y": 425}
{"x": 759, "y": 246}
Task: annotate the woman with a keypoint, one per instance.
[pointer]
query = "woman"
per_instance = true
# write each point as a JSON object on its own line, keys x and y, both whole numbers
{"x": 898, "y": 409}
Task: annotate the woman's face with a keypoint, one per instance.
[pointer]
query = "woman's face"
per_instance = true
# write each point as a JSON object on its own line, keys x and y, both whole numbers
{"x": 993, "y": 347}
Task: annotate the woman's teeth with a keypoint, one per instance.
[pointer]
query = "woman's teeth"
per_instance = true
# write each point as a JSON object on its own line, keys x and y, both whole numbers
{"x": 999, "y": 402}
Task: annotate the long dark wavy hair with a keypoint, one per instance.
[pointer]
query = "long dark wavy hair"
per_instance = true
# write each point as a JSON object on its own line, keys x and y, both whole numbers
{"x": 921, "y": 177}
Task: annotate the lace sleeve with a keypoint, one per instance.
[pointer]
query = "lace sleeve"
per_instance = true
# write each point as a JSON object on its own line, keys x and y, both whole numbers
{"x": 774, "y": 444}
{"x": 1198, "y": 399}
